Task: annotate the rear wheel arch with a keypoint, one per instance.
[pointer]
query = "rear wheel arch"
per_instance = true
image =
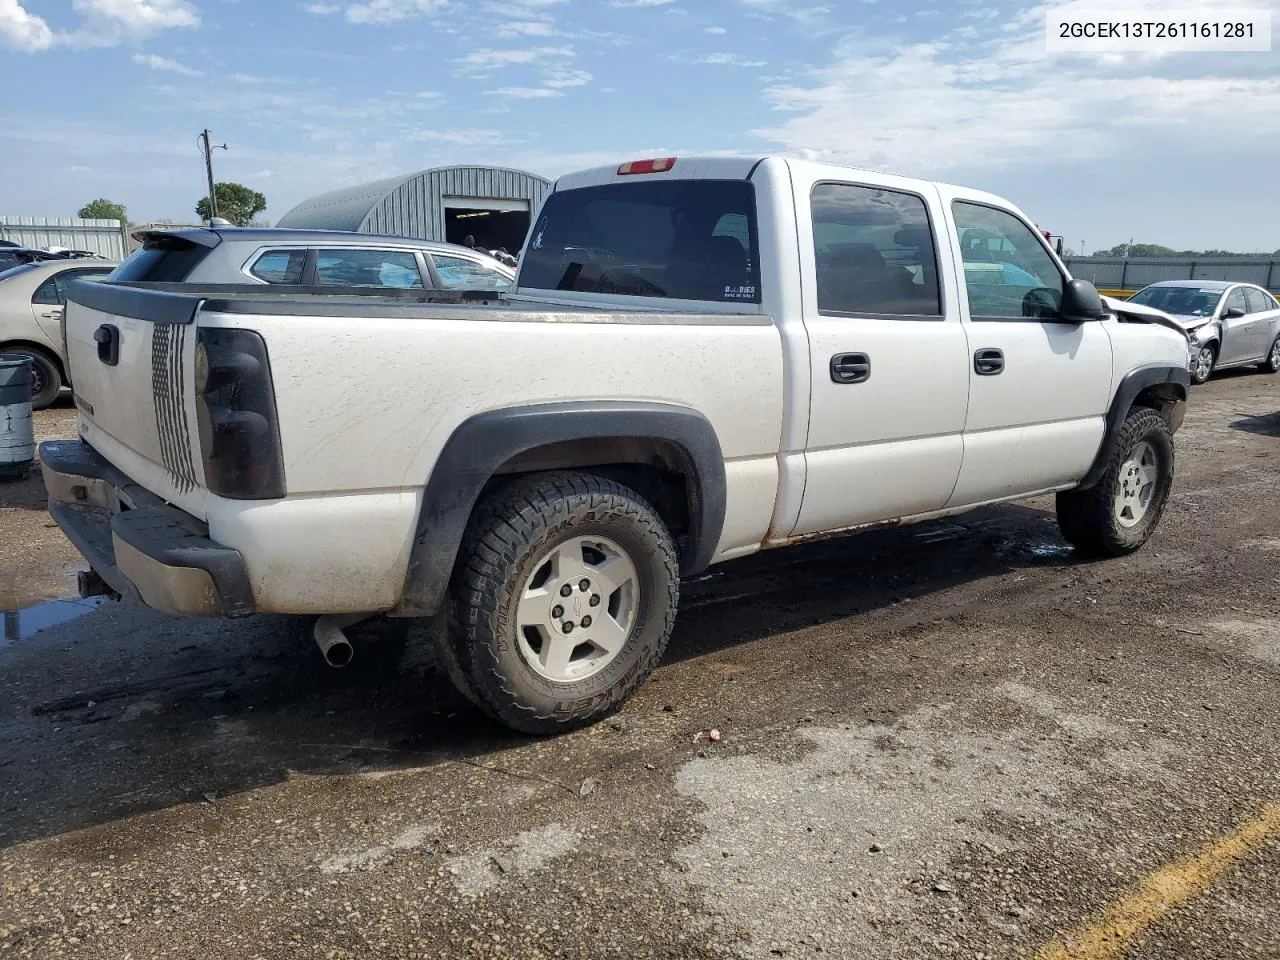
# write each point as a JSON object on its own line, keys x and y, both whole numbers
{"x": 667, "y": 453}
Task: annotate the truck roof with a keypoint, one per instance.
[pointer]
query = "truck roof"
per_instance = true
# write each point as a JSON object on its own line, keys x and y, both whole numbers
{"x": 740, "y": 167}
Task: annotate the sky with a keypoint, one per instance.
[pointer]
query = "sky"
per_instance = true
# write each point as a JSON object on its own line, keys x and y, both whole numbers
{"x": 311, "y": 95}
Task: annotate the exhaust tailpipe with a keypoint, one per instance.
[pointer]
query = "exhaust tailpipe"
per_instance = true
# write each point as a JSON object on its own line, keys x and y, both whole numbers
{"x": 332, "y": 641}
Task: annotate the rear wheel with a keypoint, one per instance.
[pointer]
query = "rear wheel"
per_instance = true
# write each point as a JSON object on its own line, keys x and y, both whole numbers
{"x": 1118, "y": 514}
{"x": 46, "y": 380}
{"x": 1202, "y": 366}
{"x": 1272, "y": 363}
{"x": 564, "y": 596}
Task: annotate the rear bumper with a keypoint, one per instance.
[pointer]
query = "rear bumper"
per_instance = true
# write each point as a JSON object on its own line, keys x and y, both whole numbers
{"x": 141, "y": 546}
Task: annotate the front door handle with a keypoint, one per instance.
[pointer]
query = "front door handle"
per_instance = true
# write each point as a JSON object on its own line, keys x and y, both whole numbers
{"x": 988, "y": 361}
{"x": 850, "y": 368}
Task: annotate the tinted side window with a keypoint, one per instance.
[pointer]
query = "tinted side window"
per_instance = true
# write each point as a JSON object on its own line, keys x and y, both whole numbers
{"x": 1236, "y": 301}
{"x": 1259, "y": 302}
{"x": 367, "y": 268}
{"x": 459, "y": 273}
{"x": 678, "y": 239}
{"x": 874, "y": 252}
{"x": 1007, "y": 271}
{"x": 169, "y": 260}
{"x": 47, "y": 292}
{"x": 65, "y": 279}
{"x": 280, "y": 266}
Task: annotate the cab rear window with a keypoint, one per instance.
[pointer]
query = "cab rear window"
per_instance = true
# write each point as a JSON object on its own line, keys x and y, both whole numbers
{"x": 674, "y": 239}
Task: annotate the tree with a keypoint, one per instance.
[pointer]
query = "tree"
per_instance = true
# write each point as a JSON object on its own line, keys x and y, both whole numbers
{"x": 104, "y": 209}
{"x": 236, "y": 203}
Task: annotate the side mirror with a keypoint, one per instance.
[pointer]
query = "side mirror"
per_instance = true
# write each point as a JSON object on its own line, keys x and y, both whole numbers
{"x": 1231, "y": 313}
{"x": 1081, "y": 302}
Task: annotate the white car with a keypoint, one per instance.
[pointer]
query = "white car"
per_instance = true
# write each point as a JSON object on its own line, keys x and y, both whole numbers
{"x": 32, "y": 297}
{"x": 1230, "y": 324}
{"x": 703, "y": 358}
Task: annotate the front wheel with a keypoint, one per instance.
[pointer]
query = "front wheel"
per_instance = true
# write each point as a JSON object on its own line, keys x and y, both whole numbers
{"x": 1272, "y": 363}
{"x": 1118, "y": 514}
{"x": 1202, "y": 366}
{"x": 564, "y": 596}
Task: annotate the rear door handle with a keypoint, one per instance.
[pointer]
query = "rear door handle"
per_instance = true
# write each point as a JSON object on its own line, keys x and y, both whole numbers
{"x": 850, "y": 368}
{"x": 988, "y": 361}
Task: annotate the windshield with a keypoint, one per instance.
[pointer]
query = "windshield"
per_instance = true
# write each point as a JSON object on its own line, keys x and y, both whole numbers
{"x": 1181, "y": 301}
{"x": 677, "y": 239}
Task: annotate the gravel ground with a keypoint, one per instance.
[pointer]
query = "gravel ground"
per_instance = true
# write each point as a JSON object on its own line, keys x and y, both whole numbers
{"x": 946, "y": 740}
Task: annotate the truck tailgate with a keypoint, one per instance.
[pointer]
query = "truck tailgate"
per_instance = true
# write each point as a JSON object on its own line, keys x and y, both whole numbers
{"x": 131, "y": 357}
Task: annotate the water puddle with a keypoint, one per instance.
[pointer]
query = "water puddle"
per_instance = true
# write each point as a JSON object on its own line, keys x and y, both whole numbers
{"x": 1048, "y": 549}
{"x": 23, "y": 623}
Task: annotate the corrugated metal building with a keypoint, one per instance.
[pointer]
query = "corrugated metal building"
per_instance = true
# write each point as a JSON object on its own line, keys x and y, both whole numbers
{"x": 106, "y": 238}
{"x": 493, "y": 204}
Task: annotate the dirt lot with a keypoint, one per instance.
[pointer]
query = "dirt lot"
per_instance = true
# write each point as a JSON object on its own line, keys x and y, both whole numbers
{"x": 949, "y": 740}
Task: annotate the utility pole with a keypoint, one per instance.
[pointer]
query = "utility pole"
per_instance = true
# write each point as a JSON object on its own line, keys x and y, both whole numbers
{"x": 1082, "y": 248}
{"x": 207, "y": 149}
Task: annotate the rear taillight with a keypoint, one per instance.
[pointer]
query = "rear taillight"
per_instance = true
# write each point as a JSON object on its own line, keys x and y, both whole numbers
{"x": 660, "y": 165}
{"x": 236, "y": 412}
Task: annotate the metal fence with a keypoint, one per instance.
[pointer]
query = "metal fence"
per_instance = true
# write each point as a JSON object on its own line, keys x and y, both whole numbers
{"x": 106, "y": 238}
{"x": 1118, "y": 273}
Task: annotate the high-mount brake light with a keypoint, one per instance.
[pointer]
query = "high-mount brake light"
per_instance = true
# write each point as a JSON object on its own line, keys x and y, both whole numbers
{"x": 660, "y": 165}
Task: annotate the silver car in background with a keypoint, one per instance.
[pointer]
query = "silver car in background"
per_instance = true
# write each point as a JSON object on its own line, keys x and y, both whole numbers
{"x": 1230, "y": 324}
{"x": 311, "y": 258}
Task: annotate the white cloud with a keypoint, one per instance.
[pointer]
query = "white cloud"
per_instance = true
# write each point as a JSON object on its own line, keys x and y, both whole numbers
{"x": 378, "y": 12}
{"x": 730, "y": 60}
{"x": 104, "y": 23}
{"x": 526, "y": 93}
{"x": 640, "y": 3}
{"x": 23, "y": 30}
{"x": 717, "y": 31}
{"x": 478, "y": 61}
{"x": 528, "y": 28}
{"x": 110, "y": 22}
{"x": 163, "y": 63}
{"x": 999, "y": 99}
{"x": 255, "y": 79}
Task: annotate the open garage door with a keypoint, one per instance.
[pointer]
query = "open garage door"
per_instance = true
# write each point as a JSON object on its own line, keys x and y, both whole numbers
{"x": 494, "y": 223}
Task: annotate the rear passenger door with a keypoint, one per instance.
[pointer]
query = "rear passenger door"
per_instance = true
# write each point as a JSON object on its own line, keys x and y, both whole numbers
{"x": 1039, "y": 387}
{"x": 889, "y": 376}
{"x": 1262, "y": 320}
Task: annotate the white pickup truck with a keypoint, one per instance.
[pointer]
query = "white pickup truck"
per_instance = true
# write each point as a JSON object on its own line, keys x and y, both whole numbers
{"x": 703, "y": 358}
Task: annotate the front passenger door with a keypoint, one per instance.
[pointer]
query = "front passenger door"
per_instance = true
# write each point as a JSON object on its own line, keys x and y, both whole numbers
{"x": 1236, "y": 341}
{"x": 1038, "y": 387}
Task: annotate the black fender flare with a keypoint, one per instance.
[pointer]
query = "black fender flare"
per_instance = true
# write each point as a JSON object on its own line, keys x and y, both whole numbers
{"x": 1133, "y": 383}
{"x": 483, "y": 443}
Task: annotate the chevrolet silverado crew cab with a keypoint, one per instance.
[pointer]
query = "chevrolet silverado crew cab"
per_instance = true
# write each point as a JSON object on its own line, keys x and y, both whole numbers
{"x": 702, "y": 358}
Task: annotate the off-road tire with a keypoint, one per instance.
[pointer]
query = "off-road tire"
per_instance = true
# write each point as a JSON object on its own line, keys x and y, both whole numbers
{"x": 1088, "y": 518}
{"x": 509, "y": 533}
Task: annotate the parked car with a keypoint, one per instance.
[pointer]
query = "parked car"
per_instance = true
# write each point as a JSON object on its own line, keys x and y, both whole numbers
{"x": 15, "y": 256}
{"x": 322, "y": 258}
{"x": 702, "y": 359}
{"x": 1230, "y": 324}
{"x": 32, "y": 299}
